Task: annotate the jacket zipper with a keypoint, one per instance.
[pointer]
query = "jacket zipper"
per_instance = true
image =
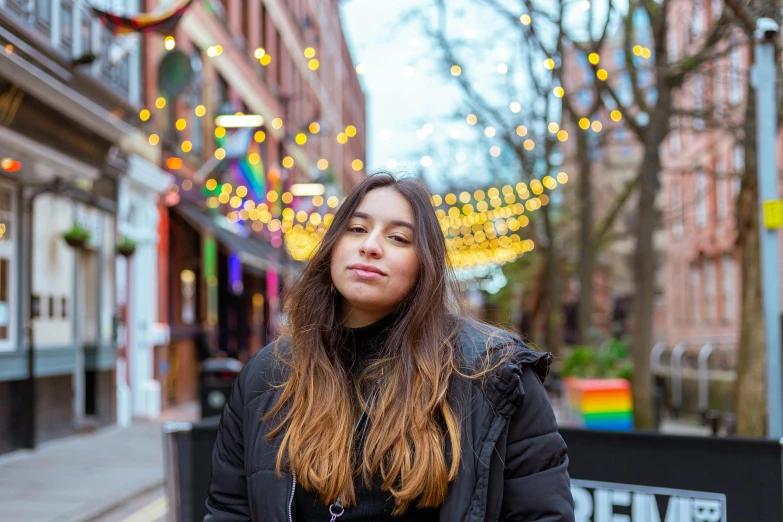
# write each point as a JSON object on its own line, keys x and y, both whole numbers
{"x": 291, "y": 500}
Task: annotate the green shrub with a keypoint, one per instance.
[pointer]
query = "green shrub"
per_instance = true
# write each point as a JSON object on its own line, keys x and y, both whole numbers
{"x": 608, "y": 362}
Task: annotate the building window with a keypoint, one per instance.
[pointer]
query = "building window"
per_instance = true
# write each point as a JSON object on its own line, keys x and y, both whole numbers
{"x": 701, "y": 198}
{"x": 674, "y": 135}
{"x": 718, "y": 83}
{"x": 20, "y": 7}
{"x": 698, "y": 101}
{"x": 677, "y": 221}
{"x": 710, "y": 297}
{"x": 43, "y": 15}
{"x": 697, "y": 20}
{"x": 695, "y": 292}
{"x": 66, "y": 26}
{"x": 671, "y": 43}
{"x": 738, "y": 159}
{"x": 86, "y": 34}
{"x": 728, "y": 287}
{"x": 735, "y": 74}
{"x": 723, "y": 195}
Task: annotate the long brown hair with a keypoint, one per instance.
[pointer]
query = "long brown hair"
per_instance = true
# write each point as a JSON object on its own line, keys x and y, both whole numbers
{"x": 412, "y": 416}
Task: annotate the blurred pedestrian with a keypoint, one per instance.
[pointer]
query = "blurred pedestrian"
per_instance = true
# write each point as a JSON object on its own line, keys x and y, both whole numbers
{"x": 379, "y": 403}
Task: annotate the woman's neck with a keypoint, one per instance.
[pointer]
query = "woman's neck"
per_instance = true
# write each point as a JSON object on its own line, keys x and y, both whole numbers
{"x": 356, "y": 318}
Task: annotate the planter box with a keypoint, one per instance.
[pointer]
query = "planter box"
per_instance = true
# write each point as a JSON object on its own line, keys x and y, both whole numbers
{"x": 599, "y": 404}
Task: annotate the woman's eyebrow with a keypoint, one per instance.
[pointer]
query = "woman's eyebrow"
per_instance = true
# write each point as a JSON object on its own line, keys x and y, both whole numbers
{"x": 395, "y": 222}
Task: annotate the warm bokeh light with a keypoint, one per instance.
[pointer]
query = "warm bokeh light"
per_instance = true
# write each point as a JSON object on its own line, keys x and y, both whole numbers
{"x": 174, "y": 163}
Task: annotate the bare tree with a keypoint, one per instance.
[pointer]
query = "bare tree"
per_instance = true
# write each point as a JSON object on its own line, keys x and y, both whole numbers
{"x": 750, "y": 390}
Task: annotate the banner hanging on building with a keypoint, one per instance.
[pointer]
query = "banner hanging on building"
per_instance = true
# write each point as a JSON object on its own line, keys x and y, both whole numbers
{"x": 162, "y": 22}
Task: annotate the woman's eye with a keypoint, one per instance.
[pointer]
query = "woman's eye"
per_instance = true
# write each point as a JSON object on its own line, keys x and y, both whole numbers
{"x": 355, "y": 228}
{"x": 400, "y": 239}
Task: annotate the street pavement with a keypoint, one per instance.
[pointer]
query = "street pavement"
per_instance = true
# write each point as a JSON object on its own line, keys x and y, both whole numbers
{"x": 90, "y": 478}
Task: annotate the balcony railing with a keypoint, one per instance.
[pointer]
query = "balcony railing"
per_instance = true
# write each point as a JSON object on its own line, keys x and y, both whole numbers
{"x": 74, "y": 32}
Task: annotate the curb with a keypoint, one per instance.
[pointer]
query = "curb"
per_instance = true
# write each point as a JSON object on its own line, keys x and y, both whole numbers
{"x": 98, "y": 512}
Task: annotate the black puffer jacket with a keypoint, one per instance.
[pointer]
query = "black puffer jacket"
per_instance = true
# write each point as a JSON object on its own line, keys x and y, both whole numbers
{"x": 514, "y": 462}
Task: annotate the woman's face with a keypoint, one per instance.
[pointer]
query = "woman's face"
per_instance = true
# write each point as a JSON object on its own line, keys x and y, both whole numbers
{"x": 374, "y": 264}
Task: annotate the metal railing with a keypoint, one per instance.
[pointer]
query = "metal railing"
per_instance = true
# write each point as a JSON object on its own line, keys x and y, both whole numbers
{"x": 700, "y": 366}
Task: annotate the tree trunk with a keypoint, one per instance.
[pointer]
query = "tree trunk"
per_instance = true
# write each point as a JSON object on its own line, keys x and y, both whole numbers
{"x": 749, "y": 388}
{"x": 644, "y": 282}
{"x": 586, "y": 266}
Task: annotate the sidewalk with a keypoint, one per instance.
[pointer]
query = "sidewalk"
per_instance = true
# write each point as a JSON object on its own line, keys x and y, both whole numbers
{"x": 80, "y": 478}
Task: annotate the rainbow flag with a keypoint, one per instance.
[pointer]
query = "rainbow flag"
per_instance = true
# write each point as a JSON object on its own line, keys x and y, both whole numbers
{"x": 600, "y": 404}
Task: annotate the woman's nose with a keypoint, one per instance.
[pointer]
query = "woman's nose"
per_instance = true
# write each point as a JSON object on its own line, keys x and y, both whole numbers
{"x": 371, "y": 246}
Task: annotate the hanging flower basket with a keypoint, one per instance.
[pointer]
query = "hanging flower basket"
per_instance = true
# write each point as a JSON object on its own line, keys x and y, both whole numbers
{"x": 77, "y": 237}
{"x": 126, "y": 247}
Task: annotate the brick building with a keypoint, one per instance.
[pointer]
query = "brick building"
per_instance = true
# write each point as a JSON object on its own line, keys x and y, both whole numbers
{"x": 289, "y": 63}
{"x": 702, "y": 168}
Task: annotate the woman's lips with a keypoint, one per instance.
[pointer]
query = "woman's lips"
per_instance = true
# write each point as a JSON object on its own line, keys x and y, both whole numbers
{"x": 366, "y": 272}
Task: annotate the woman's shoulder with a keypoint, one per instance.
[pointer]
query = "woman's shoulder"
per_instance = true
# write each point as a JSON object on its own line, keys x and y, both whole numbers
{"x": 478, "y": 340}
{"x": 266, "y": 369}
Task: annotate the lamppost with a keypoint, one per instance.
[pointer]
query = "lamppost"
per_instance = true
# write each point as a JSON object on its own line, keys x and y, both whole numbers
{"x": 764, "y": 73}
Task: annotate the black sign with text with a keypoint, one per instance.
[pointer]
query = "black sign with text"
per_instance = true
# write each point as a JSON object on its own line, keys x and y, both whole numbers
{"x": 640, "y": 477}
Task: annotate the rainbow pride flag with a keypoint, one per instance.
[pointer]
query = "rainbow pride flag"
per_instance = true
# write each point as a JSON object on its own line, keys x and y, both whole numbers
{"x": 600, "y": 404}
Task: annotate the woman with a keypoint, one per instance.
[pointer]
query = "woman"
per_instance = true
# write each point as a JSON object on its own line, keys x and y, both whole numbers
{"x": 380, "y": 405}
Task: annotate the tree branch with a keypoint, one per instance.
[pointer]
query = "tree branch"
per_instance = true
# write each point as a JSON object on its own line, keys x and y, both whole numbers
{"x": 608, "y": 222}
{"x": 684, "y": 67}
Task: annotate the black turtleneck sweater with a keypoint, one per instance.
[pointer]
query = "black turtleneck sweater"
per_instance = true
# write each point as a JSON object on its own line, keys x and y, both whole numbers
{"x": 361, "y": 346}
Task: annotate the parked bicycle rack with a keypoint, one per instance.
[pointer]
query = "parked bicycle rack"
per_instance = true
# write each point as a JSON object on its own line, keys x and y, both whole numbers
{"x": 676, "y": 365}
{"x": 704, "y": 379}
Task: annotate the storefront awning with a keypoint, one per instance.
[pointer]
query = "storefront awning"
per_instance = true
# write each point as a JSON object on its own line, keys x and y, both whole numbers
{"x": 253, "y": 252}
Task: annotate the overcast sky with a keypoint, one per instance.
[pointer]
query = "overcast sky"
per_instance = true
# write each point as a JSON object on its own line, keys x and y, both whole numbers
{"x": 404, "y": 91}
